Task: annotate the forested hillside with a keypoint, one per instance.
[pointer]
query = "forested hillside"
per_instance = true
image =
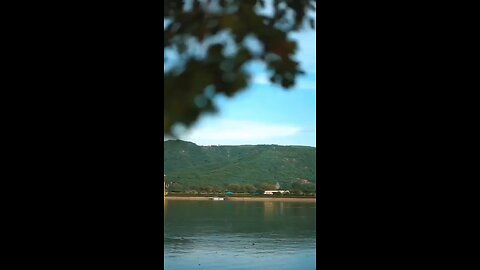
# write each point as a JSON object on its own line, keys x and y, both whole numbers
{"x": 244, "y": 168}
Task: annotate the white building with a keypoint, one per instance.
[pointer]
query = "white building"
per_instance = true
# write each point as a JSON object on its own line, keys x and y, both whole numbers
{"x": 271, "y": 192}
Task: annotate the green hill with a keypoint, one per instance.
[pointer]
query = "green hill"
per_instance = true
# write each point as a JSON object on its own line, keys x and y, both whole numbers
{"x": 191, "y": 165}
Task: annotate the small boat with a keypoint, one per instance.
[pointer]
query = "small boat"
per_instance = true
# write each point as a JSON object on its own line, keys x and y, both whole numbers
{"x": 218, "y": 199}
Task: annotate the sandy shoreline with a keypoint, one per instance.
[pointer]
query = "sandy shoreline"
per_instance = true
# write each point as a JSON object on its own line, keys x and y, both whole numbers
{"x": 245, "y": 199}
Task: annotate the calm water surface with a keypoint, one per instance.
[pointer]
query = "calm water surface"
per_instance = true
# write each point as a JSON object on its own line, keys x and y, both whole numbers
{"x": 239, "y": 235}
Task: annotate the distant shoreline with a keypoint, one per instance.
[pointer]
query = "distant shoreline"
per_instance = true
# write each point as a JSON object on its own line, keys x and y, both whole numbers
{"x": 245, "y": 199}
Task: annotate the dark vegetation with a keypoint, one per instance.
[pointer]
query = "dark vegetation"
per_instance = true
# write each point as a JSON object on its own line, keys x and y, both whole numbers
{"x": 239, "y": 169}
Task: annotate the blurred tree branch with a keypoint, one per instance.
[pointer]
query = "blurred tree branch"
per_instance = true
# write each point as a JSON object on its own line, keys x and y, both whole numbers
{"x": 206, "y": 65}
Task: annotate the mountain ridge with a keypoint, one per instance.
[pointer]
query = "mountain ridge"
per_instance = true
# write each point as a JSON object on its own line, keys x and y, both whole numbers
{"x": 220, "y": 165}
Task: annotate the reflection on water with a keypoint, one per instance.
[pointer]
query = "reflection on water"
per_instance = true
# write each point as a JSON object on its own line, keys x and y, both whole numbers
{"x": 268, "y": 209}
{"x": 239, "y": 235}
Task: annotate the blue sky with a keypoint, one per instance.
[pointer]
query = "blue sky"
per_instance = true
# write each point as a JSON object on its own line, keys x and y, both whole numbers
{"x": 265, "y": 113}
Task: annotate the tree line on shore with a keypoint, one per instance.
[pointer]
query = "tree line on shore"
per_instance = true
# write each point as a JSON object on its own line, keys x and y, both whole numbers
{"x": 297, "y": 188}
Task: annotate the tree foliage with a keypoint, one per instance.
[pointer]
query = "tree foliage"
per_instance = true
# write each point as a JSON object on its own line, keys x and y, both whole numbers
{"x": 298, "y": 187}
{"x": 209, "y": 43}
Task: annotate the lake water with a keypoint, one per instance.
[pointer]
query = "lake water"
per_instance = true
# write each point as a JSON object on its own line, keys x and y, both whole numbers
{"x": 239, "y": 235}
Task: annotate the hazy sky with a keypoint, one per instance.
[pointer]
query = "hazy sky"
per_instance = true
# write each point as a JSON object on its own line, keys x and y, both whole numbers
{"x": 264, "y": 113}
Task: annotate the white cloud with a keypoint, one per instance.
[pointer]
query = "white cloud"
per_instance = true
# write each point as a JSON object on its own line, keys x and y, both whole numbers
{"x": 234, "y": 132}
{"x": 261, "y": 79}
